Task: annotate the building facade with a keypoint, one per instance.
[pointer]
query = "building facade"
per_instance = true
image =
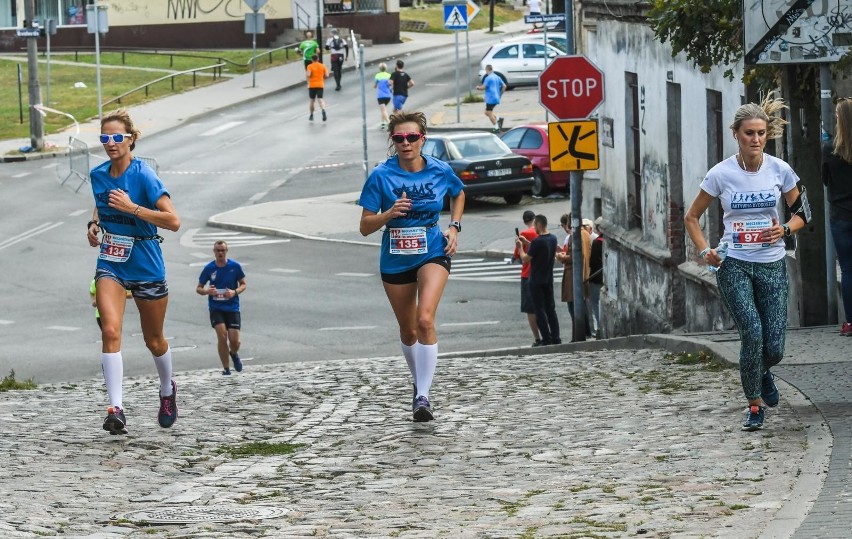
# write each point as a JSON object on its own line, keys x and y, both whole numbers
{"x": 198, "y": 24}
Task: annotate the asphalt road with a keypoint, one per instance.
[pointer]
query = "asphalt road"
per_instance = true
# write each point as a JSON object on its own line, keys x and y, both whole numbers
{"x": 306, "y": 301}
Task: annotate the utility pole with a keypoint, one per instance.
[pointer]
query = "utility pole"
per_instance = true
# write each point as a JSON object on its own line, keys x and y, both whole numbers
{"x": 36, "y": 121}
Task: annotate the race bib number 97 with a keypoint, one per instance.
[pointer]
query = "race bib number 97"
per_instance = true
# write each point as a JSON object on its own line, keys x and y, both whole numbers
{"x": 748, "y": 234}
{"x": 116, "y": 248}
{"x": 408, "y": 241}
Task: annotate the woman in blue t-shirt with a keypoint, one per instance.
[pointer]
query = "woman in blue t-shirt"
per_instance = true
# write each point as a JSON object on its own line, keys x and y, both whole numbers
{"x": 405, "y": 195}
{"x": 752, "y": 277}
{"x": 130, "y": 204}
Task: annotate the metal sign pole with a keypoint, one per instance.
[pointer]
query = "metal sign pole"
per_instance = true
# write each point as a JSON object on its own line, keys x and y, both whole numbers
{"x": 361, "y": 68}
{"x": 469, "y": 77}
{"x": 458, "y": 100}
{"x": 576, "y": 211}
{"x": 254, "y": 51}
{"x": 96, "y": 12}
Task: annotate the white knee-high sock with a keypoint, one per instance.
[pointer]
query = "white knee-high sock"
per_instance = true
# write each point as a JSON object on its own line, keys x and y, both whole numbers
{"x": 408, "y": 352}
{"x": 164, "y": 369}
{"x": 425, "y": 361}
{"x": 113, "y": 368}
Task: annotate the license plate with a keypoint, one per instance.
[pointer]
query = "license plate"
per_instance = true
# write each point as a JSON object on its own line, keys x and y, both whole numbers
{"x": 499, "y": 172}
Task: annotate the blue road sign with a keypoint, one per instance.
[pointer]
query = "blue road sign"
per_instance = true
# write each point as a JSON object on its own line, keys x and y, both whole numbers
{"x": 455, "y": 17}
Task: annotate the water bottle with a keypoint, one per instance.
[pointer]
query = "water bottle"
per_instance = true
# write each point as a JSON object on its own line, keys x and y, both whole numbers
{"x": 721, "y": 252}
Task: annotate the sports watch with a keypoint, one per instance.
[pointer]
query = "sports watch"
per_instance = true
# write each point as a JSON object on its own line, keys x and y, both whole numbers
{"x": 787, "y": 231}
{"x": 456, "y": 224}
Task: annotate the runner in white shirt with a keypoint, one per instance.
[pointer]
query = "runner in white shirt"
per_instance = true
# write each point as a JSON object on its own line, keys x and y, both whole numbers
{"x": 752, "y": 279}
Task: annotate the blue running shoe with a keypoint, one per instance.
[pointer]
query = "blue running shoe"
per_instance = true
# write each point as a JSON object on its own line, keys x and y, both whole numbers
{"x": 422, "y": 409}
{"x": 115, "y": 422}
{"x": 168, "y": 408}
{"x": 226, "y": 372}
{"x": 238, "y": 363}
{"x": 768, "y": 392}
{"x": 754, "y": 418}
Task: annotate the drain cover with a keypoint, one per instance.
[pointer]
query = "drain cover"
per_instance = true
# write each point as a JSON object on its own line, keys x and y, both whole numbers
{"x": 207, "y": 513}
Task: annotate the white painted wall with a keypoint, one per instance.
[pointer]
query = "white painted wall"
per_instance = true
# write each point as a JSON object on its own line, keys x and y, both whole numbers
{"x": 618, "y": 47}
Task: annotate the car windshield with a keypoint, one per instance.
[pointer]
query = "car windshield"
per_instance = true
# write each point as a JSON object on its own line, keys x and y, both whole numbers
{"x": 474, "y": 147}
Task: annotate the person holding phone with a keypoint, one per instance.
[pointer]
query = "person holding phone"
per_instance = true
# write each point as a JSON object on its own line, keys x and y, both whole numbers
{"x": 405, "y": 195}
{"x": 527, "y": 306}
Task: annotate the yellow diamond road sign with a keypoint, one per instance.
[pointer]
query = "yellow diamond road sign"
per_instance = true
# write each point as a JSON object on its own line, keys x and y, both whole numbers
{"x": 573, "y": 145}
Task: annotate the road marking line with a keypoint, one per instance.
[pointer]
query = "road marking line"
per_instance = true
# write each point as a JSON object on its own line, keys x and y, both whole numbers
{"x": 285, "y": 270}
{"x": 6, "y": 322}
{"x": 216, "y": 234}
{"x": 63, "y": 328}
{"x": 257, "y": 196}
{"x": 52, "y": 165}
{"x": 348, "y": 274}
{"x": 350, "y": 328}
{"x": 459, "y": 324}
{"x": 76, "y": 213}
{"x": 22, "y": 175}
{"x": 44, "y": 227}
{"x": 218, "y": 129}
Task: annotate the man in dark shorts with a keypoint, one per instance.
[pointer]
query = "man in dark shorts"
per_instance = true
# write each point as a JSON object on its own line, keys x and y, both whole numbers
{"x": 526, "y": 300}
{"x": 401, "y": 82}
{"x": 226, "y": 282}
{"x": 316, "y": 75}
{"x": 541, "y": 253}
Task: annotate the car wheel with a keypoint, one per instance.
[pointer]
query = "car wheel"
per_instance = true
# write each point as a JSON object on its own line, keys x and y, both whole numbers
{"x": 540, "y": 187}
{"x": 513, "y": 199}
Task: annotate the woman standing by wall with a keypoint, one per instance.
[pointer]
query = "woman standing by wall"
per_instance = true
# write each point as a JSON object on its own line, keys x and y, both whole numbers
{"x": 837, "y": 176}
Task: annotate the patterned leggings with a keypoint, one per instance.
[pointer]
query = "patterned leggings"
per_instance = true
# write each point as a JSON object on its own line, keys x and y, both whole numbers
{"x": 756, "y": 296}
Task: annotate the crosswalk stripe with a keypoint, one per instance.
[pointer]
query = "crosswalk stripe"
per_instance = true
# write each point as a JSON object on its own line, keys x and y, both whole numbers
{"x": 221, "y": 128}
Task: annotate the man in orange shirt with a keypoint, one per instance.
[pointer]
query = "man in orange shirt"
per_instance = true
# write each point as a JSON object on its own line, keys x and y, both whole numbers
{"x": 316, "y": 75}
{"x": 527, "y": 306}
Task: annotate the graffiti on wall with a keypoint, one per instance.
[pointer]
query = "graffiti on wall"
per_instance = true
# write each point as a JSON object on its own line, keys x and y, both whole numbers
{"x": 642, "y": 108}
{"x": 655, "y": 189}
{"x": 189, "y": 9}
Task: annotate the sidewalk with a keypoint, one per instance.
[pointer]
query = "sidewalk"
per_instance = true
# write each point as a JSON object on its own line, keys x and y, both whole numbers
{"x": 603, "y": 438}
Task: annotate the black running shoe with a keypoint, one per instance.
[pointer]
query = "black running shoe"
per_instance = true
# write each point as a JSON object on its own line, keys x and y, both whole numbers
{"x": 238, "y": 363}
{"x": 168, "y": 408}
{"x": 115, "y": 422}
{"x": 324, "y": 117}
{"x": 422, "y": 409}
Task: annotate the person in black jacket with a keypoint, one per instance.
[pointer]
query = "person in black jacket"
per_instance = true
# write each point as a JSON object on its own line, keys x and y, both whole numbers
{"x": 596, "y": 280}
{"x": 541, "y": 253}
{"x": 837, "y": 176}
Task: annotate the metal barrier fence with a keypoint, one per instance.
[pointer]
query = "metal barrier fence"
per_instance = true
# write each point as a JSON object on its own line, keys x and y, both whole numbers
{"x": 78, "y": 162}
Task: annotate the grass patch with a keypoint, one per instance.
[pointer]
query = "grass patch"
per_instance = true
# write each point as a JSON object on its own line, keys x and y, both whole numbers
{"x": 708, "y": 362}
{"x": 9, "y": 383}
{"x": 433, "y": 16}
{"x": 263, "y": 449}
{"x": 117, "y": 78}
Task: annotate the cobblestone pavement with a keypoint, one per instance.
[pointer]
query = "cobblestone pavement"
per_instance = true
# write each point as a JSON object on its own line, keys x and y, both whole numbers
{"x": 573, "y": 445}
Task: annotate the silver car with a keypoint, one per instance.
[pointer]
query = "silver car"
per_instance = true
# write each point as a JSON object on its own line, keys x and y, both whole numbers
{"x": 519, "y": 63}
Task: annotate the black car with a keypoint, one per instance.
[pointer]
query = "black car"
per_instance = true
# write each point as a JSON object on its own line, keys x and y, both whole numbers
{"x": 483, "y": 163}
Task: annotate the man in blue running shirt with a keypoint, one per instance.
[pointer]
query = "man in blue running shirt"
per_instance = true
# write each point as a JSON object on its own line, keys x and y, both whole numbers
{"x": 226, "y": 282}
{"x": 494, "y": 88}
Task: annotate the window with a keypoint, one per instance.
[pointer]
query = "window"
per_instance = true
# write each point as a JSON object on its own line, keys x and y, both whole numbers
{"x": 533, "y": 50}
{"x": 715, "y": 130}
{"x": 435, "y": 149}
{"x": 64, "y": 12}
{"x": 513, "y": 138}
{"x": 633, "y": 161}
{"x": 508, "y": 52}
{"x": 532, "y": 140}
{"x": 8, "y": 13}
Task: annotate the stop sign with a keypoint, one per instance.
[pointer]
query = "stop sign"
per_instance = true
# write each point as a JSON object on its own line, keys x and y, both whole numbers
{"x": 571, "y": 87}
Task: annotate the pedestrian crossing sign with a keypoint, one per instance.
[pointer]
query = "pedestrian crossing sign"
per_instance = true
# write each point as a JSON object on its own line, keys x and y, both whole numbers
{"x": 455, "y": 17}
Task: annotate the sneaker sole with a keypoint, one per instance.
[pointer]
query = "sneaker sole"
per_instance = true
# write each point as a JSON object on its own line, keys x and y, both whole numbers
{"x": 752, "y": 428}
{"x": 423, "y": 414}
{"x": 114, "y": 426}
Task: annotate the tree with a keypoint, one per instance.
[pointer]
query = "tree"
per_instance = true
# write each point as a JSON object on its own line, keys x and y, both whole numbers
{"x": 709, "y": 32}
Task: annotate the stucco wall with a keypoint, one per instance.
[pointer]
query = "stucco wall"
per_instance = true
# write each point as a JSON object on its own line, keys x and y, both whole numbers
{"x": 646, "y": 272}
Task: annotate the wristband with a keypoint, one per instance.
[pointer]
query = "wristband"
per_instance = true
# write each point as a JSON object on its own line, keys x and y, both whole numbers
{"x": 136, "y": 211}
{"x": 703, "y": 253}
{"x": 90, "y": 223}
